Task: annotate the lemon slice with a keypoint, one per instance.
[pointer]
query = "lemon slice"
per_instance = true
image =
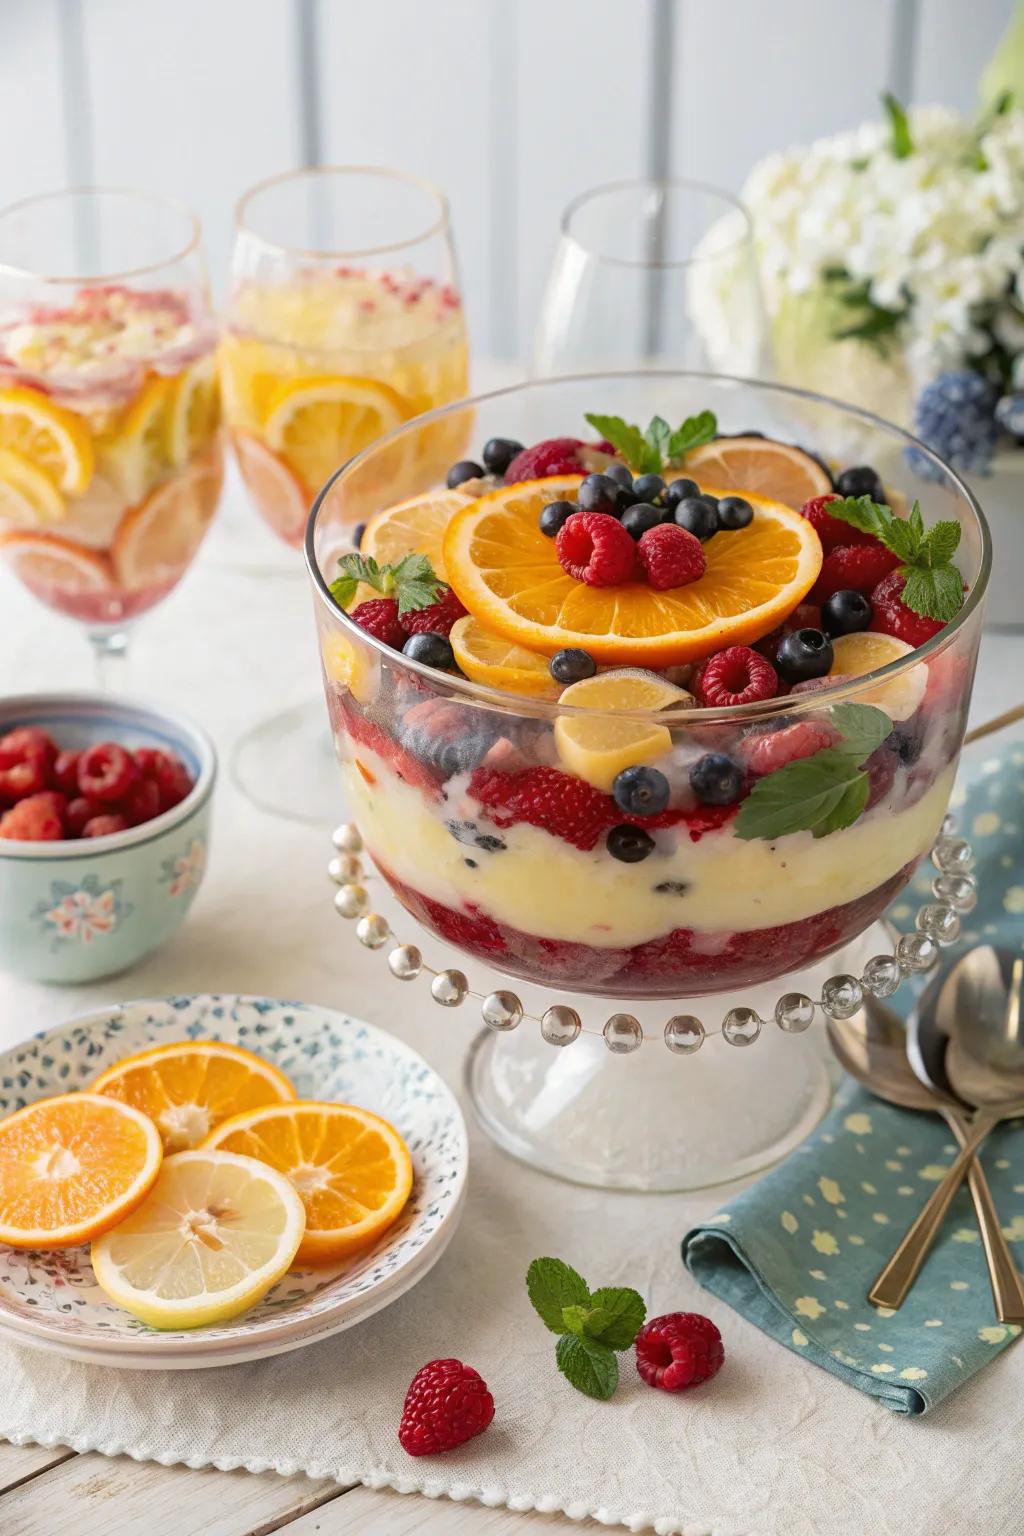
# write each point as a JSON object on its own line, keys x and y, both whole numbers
{"x": 318, "y": 422}
{"x": 28, "y": 497}
{"x": 193, "y": 411}
{"x": 55, "y": 440}
{"x": 135, "y": 456}
{"x": 351, "y": 667}
{"x": 854, "y": 655}
{"x": 214, "y": 1234}
{"x": 414, "y": 526}
{"x": 500, "y": 663}
{"x": 598, "y": 747}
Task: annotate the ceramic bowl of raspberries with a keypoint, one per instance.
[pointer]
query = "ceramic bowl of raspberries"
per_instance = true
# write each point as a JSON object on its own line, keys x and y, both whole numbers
{"x": 104, "y": 826}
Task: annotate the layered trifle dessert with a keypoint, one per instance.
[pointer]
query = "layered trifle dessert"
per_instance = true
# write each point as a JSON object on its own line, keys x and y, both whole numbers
{"x": 110, "y": 455}
{"x": 648, "y": 710}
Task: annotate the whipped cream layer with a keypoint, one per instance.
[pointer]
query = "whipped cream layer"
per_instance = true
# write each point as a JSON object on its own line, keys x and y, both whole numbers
{"x": 542, "y": 885}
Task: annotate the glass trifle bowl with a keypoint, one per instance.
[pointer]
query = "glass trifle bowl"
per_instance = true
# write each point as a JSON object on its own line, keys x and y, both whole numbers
{"x": 683, "y": 794}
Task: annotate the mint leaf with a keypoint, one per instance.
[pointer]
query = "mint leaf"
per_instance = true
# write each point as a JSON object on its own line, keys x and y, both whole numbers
{"x": 629, "y": 440}
{"x": 847, "y": 809}
{"x": 412, "y": 581}
{"x": 694, "y": 433}
{"x": 862, "y": 727}
{"x": 585, "y": 1322}
{"x": 935, "y": 593}
{"x": 813, "y": 794}
{"x": 863, "y": 513}
{"x": 343, "y": 590}
{"x": 941, "y": 542}
{"x": 900, "y": 141}
{"x": 902, "y": 539}
{"x": 933, "y": 585}
{"x": 552, "y": 1286}
{"x": 589, "y": 1367}
{"x": 622, "y": 1316}
{"x": 658, "y": 435}
{"x": 647, "y": 453}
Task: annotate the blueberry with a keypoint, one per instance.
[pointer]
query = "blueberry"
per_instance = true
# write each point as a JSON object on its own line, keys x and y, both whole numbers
{"x": 846, "y": 612}
{"x": 572, "y": 665}
{"x": 554, "y": 515}
{"x": 499, "y": 453}
{"x": 629, "y": 844}
{"x": 357, "y": 534}
{"x": 906, "y": 744}
{"x": 648, "y": 487}
{"x": 734, "y": 512}
{"x": 696, "y": 515}
{"x": 637, "y": 519}
{"x": 716, "y": 779}
{"x": 622, "y": 474}
{"x": 804, "y": 654}
{"x": 465, "y": 469}
{"x": 431, "y": 649}
{"x": 641, "y": 791}
{"x": 600, "y": 493}
{"x": 861, "y": 480}
{"x": 679, "y": 490}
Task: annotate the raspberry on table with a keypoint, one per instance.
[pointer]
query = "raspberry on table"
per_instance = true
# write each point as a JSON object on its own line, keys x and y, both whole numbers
{"x": 853, "y": 568}
{"x": 769, "y": 750}
{"x": 379, "y": 617}
{"x": 554, "y": 456}
{"x": 447, "y": 1404}
{"x": 831, "y": 530}
{"x": 891, "y": 616}
{"x": 595, "y": 548}
{"x": 106, "y": 772}
{"x": 737, "y": 675}
{"x": 670, "y": 557}
{"x": 437, "y": 619}
{"x": 37, "y": 818}
{"x": 679, "y": 1350}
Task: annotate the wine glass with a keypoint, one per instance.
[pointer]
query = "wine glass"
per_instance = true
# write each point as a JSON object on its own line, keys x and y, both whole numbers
{"x": 344, "y": 320}
{"x": 625, "y": 291}
{"x": 697, "y": 938}
{"x": 110, "y": 451}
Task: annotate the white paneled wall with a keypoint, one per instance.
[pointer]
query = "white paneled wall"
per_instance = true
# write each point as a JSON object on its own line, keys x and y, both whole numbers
{"x": 511, "y": 105}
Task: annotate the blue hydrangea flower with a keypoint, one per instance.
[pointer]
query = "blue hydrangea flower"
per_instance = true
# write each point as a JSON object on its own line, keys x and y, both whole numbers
{"x": 955, "y": 415}
{"x": 1010, "y": 414}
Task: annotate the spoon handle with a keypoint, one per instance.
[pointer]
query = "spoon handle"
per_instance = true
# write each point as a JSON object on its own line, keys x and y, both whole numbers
{"x": 1007, "y": 1286}
{"x": 892, "y": 1285}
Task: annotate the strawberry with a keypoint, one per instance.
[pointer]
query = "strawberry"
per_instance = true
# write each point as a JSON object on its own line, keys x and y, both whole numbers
{"x": 545, "y": 798}
{"x": 893, "y": 617}
{"x": 830, "y": 530}
{"x": 374, "y": 737}
{"x": 853, "y": 567}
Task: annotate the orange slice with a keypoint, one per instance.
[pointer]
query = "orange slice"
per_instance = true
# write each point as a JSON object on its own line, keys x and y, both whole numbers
{"x": 507, "y": 574}
{"x": 189, "y": 1087}
{"x": 318, "y": 422}
{"x": 413, "y": 526}
{"x": 760, "y": 465}
{"x": 857, "y": 654}
{"x": 28, "y": 496}
{"x": 54, "y": 439}
{"x": 46, "y": 562}
{"x": 71, "y": 1167}
{"x": 500, "y": 663}
{"x": 272, "y": 486}
{"x": 351, "y": 1168}
{"x": 157, "y": 540}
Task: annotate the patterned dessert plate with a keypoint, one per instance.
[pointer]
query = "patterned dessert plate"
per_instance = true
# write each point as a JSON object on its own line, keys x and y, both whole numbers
{"x": 50, "y": 1300}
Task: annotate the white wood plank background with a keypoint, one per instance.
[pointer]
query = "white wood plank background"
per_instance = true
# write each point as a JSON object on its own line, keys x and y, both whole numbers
{"x": 511, "y": 105}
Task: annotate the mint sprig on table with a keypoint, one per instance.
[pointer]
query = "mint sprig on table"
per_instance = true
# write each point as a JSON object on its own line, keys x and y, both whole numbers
{"x": 934, "y": 587}
{"x": 412, "y": 581}
{"x": 823, "y": 793}
{"x": 591, "y": 1326}
{"x": 649, "y": 452}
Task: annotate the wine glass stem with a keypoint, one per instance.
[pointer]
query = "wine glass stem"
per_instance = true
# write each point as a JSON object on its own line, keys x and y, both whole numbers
{"x": 109, "y": 652}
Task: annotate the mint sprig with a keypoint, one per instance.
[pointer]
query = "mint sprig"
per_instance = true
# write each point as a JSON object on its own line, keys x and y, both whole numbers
{"x": 649, "y": 452}
{"x": 933, "y": 586}
{"x": 822, "y": 793}
{"x": 591, "y": 1328}
{"x": 412, "y": 581}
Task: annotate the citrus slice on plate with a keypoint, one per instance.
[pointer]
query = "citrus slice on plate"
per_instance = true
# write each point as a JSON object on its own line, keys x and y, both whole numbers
{"x": 760, "y": 465}
{"x": 275, "y": 490}
{"x": 71, "y": 1167}
{"x": 55, "y": 440}
{"x": 48, "y": 563}
{"x": 500, "y": 663}
{"x": 190, "y": 1086}
{"x": 216, "y": 1232}
{"x": 28, "y": 497}
{"x": 413, "y": 526}
{"x": 598, "y": 747}
{"x": 507, "y": 574}
{"x": 351, "y": 1168}
{"x": 320, "y": 421}
{"x": 193, "y": 410}
{"x": 857, "y": 654}
{"x": 135, "y": 454}
{"x": 157, "y": 540}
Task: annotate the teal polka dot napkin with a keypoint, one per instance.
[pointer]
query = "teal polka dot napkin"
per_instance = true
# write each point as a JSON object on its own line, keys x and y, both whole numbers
{"x": 796, "y": 1252}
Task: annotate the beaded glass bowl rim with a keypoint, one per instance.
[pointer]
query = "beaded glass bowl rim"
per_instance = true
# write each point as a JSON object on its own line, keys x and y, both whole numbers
{"x": 130, "y": 713}
{"x": 937, "y": 923}
{"x": 480, "y": 693}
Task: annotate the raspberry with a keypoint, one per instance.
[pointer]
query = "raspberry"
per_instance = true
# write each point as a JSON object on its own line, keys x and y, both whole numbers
{"x": 670, "y": 557}
{"x": 104, "y": 826}
{"x": 106, "y": 772}
{"x": 678, "y": 1350}
{"x": 736, "y": 675}
{"x": 379, "y": 617}
{"x": 30, "y": 738}
{"x": 545, "y": 798}
{"x": 437, "y": 619}
{"x": 23, "y": 768}
{"x": 447, "y": 1404}
{"x": 853, "y": 567}
{"x": 377, "y": 740}
{"x": 168, "y": 773}
{"x": 554, "y": 456}
{"x": 774, "y": 749}
{"x": 893, "y": 617}
{"x": 35, "y": 819}
{"x": 830, "y": 530}
{"x": 595, "y": 548}
{"x": 141, "y": 803}
{"x": 80, "y": 811}
{"x": 65, "y": 773}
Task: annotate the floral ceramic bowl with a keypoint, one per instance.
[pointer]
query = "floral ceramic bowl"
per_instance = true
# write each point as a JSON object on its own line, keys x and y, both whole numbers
{"x": 77, "y": 911}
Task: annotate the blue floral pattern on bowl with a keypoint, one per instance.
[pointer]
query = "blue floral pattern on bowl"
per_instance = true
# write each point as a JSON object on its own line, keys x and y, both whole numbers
{"x": 51, "y": 1297}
